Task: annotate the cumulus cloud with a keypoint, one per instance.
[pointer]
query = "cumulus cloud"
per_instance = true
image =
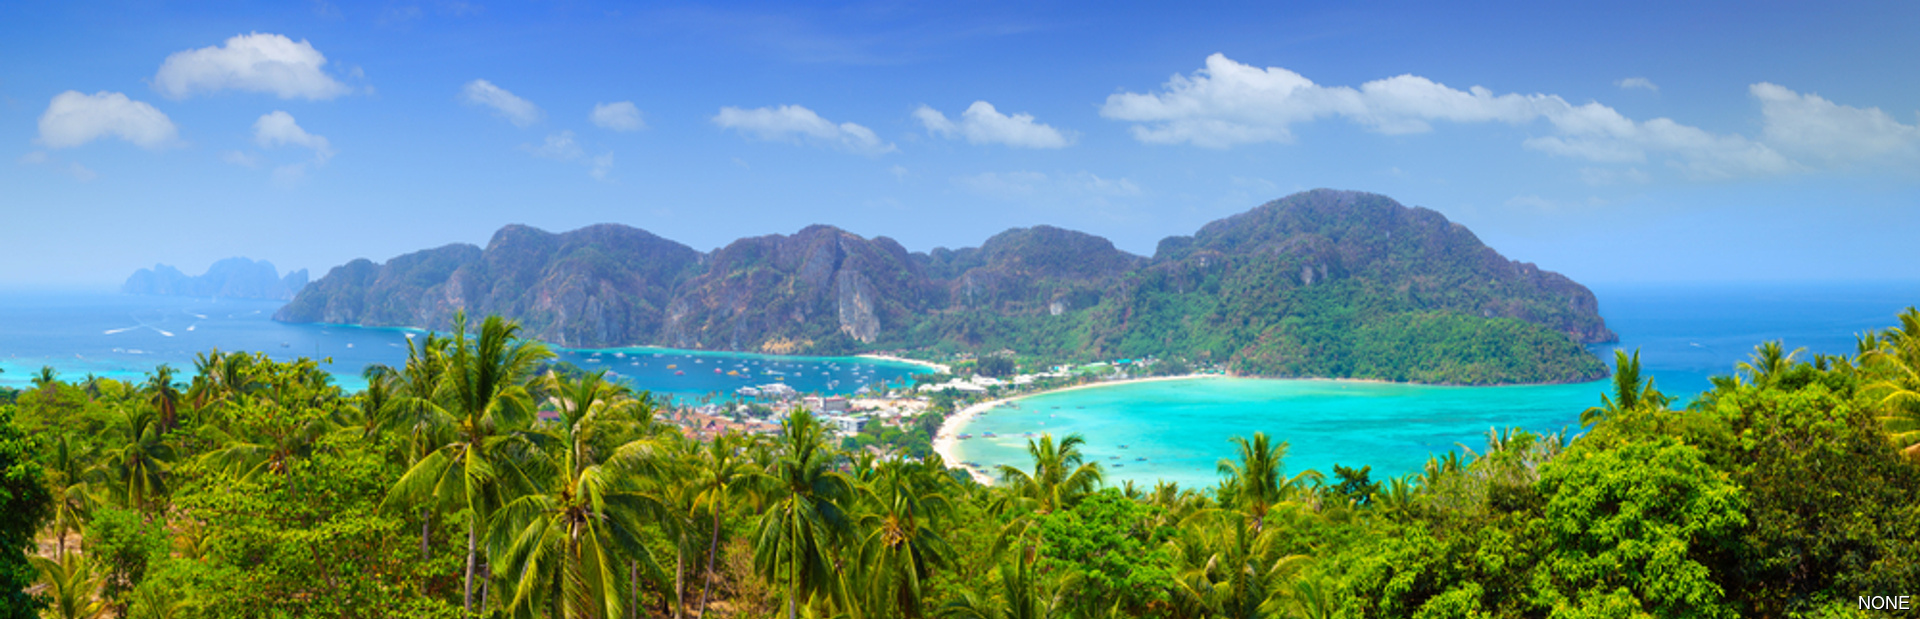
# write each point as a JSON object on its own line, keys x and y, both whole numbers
{"x": 620, "y": 116}
{"x": 795, "y": 123}
{"x": 516, "y": 110}
{"x": 73, "y": 119}
{"x": 982, "y": 124}
{"x": 279, "y": 129}
{"x": 558, "y": 146}
{"x": 256, "y": 62}
{"x": 1228, "y": 103}
{"x": 1637, "y": 82}
{"x": 1811, "y": 127}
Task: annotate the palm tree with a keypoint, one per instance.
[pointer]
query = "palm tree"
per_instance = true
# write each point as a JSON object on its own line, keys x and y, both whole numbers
{"x": 139, "y": 465}
{"x": 795, "y": 536}
{"x": 1061, "y": 474}
{"x": 45, "y": 378}
{"x": 902, "y": 546}
{"x": 267, "y": 438}
{"x": 73, "y": 499}
{"x": 722, "y": 469}
{"x": 1769, "y": 362}
{"x": 481, "y": 401}
{"x": 564, "y": 545}
{"x": 1019, "y": 598}
{"x": 163, "y": 395}
{"x": 1629, "y": 393}
{"x": 1897, "y": 357}
{"x": 1256, "y": 478}
{"x": 73, "y": 589}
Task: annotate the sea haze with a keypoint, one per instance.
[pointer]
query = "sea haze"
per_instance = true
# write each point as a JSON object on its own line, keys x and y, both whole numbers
{"x": 124, "y": 337}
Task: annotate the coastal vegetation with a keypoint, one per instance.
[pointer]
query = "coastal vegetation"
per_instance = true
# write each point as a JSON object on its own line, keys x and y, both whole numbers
{"x": 1317, "y": 284}
{"x": 471, "y": 482}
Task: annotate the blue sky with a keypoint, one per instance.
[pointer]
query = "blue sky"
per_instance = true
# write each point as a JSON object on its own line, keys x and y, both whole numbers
{"x": 1614, "y": 142}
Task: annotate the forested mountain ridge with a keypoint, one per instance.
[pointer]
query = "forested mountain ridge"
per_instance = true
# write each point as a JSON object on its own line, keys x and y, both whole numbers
{"x": 1320, "y": 283}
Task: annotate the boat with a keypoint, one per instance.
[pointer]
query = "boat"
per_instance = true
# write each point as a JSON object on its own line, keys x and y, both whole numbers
{"x": 679, "y": 373}
{"x": 965, "y": 436}
{"x": 1123, "y": 445}
{"x": 987, "y": 435}
{"x": 1139, "y": 459}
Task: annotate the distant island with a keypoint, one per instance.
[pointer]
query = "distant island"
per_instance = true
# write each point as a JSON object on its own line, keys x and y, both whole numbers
{"x": 1322, "y": 283}
{"x": 234, "y": 278}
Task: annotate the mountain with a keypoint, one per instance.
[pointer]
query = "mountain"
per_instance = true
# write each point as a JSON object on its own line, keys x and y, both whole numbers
{"x": 597, "y": 286}
{"x": 1321, "y": 283}
{"x": 238, "y": 278}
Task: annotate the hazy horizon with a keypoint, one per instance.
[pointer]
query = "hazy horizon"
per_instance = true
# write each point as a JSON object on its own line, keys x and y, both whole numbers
{"x": 1629, "y": 143}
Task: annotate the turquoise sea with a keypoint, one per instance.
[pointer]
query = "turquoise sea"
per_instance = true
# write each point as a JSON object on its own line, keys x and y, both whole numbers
{"x": 126, "y": 336}
{"x": 1173, "y": 430}
{"x": 1178, "y": 430}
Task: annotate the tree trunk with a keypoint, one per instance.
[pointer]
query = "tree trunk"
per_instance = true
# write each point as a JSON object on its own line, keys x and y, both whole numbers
{"x": 713, "y": 550}
{"x": 679, "y": 578}
{"x": 473, "y": 560}
{"x": 633, "y": 586}
{"x": 486, "y": 586}
{"x": 426, "y": 524}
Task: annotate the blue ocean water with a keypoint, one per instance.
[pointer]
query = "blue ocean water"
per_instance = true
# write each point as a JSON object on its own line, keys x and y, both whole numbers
{"x": 1179, "y": 430}
{"x": 126, "y": 336}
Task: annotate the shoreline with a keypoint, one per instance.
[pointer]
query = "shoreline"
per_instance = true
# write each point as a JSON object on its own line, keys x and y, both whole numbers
{"x": 939, "y": 368}
{"x": 948, "y": 439}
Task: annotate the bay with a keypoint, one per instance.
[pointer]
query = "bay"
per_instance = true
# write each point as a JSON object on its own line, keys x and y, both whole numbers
{"x": 125, "y": 337}
{"x": 1179, "y": 430}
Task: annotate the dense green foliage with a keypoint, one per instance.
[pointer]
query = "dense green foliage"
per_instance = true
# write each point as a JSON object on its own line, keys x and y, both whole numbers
{"x": 472, "y": 482}
{"x": 1320, "y": 283}
{"x": 24, "y": 503}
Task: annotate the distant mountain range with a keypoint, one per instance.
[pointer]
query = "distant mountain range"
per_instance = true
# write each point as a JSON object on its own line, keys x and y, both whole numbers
{"x": 237, "y": 278}
{"x": 1321, "y": 283}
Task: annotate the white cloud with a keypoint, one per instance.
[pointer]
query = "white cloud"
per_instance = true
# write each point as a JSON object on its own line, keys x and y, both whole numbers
{"x": 1228, "y": 103}
{"x": 1812, "y": 127}
{"x": 559, "y": 147}
{"x": 1637, "y": 82}
{"x": 278, "y": 129}
{"x": 793, "y": 122}
{"x": 982, "y": 124}
{"x": 39, "y": 156}
{"x": 621, "y": 116}
{"x": 73, "y": 119}
{"x": 81, "y": 172}
{"x": 516, "y": 110}
{"x": 1610, "y": 176}
{"x": 268, "y": 63}
{"x": 242, "y": 159}
{"x": 899, "y": 172}
{"x": 600, "y": 166}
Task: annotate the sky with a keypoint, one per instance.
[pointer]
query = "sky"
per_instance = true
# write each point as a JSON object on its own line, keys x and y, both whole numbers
{"x": 1613, "y": 142}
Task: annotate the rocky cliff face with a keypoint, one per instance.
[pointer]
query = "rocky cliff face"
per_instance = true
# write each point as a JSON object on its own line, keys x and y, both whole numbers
{"x": 598, "y": 286}
{"x": 234, "y": 278}
{"x": 1263, "y": 289}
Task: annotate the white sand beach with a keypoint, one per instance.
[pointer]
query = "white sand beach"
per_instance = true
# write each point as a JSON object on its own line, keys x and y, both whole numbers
{"x": 949, "y": 435}
{"x": 937, "y": 367}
